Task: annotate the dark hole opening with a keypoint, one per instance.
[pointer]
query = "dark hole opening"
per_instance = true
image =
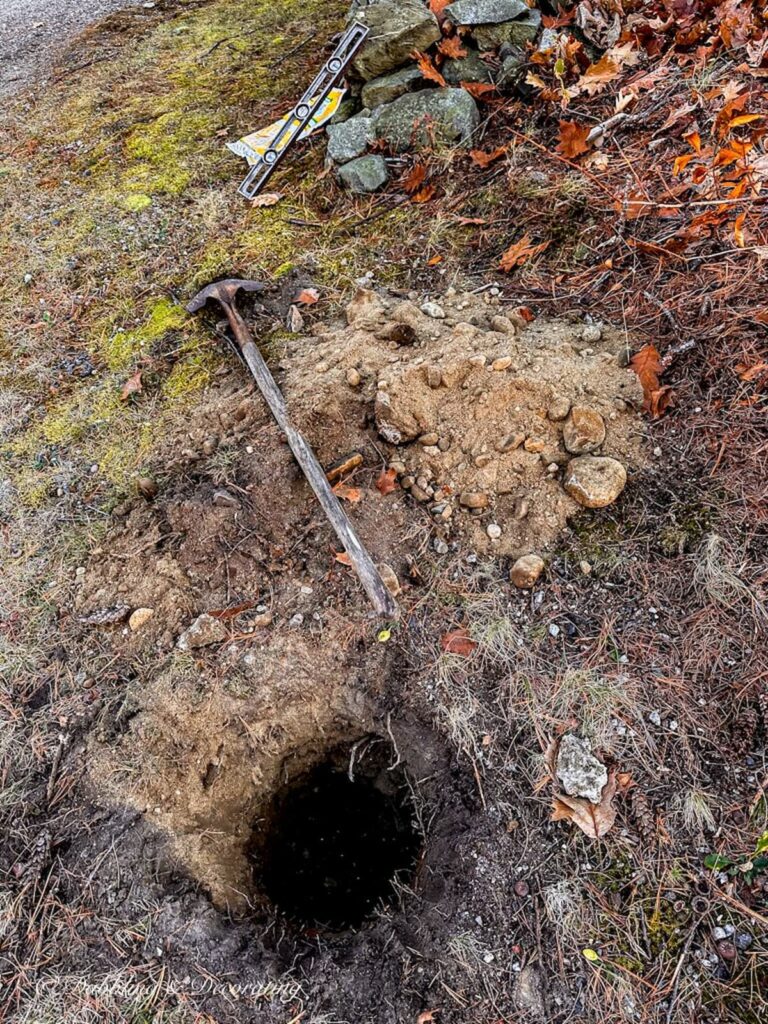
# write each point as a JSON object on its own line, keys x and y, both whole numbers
{"x": 337, "y": 837}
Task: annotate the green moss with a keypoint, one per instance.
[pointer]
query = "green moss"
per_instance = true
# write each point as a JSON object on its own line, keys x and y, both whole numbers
{"x": 123, "y": 347}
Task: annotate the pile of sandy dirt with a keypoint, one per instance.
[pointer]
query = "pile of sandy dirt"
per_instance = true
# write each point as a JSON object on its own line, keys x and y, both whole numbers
{"x": 500, "y": 428}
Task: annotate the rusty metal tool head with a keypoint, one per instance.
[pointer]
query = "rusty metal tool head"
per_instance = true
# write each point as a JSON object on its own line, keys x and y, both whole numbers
{"x": 223, "y": 292}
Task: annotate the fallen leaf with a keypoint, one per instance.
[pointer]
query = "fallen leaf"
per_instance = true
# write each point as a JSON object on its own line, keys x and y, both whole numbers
{"x": 481, "y": 158}
{"x": 424, "y": 194}
{"x": 520, "y": 252}
{"x": 267, "y": 199}
{"x": 426, "y": 1017}
{"x": 648, "y": 366}
{"x": 458, "y": 641}
{"x": 307, "y": 296}
{"x": 527, "y": 314}
{"x": 597, "y": 76}
{"x": 233, "y": 612}
{"x": 437, "y": 7}
{"x": 573, "y": 139}
{"x": 342, "y": 557}
{"x": 452, "y": 47}
{"x": 434, "y": 260}
{"x": 346, "y": 493}
{"x": 387, "y": 481}
{"x": 131, "y": 387}
{"x": 593, "y": 819}
{"x": 738, "y": 230}
{"x": 479, "y": 90}
{"x": 750, "y": 373}
{"x": 427, "y": 68}
{"x": 415, "y": 178}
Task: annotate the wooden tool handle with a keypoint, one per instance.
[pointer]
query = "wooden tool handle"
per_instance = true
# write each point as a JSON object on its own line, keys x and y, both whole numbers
{"x": 381, "y": 599}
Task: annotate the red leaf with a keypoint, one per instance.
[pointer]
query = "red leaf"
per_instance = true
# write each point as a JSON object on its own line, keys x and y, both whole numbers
{"x": 342, "y": 557}
{"x": 131, "y": 387}
{"x": 307, "y": 296}
{"x": 387, "y": 482}
{"x": 573, "y": 139}
{"x": 458, "y": 641}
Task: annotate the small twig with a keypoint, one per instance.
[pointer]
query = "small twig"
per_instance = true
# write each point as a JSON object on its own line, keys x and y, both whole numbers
{"x": 394, "y": 744}
{"x": 55, "y": 764}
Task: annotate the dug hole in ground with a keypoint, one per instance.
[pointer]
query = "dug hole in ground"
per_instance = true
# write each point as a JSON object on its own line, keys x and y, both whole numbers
{"x": 229, "y": 791}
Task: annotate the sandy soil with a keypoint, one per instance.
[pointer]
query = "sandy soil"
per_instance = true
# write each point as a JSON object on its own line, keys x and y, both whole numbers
{"x": 34, "y": 32}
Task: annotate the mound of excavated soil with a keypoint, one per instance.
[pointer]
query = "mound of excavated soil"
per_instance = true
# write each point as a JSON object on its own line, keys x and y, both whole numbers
{"x": 502, "y": 429}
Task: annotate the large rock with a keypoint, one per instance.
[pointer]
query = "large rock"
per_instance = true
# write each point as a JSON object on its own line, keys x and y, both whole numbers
{"x": 579, "y": 770}
{"x": 516, "y": 33}
{"x": 396, "y": 30}
{"x": 594, "y": 481}
{"x": 442, "y": 117}
{"x": 484, "y": 12}
{"x": 350, "y": 139}
{"x": 471, "y": 68}
{"x": 584, "y": 430}
{"x": 365, "y": 174}
{"x": 389, "y": 87}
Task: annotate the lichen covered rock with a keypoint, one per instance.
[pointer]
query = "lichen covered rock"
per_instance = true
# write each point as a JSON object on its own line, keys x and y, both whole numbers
{"x": 438, "y": 117}
{"x": 396, "y": 30}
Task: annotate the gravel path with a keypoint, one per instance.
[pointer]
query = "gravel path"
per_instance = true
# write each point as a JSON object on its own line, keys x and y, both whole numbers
{"x": 34, "y": 32}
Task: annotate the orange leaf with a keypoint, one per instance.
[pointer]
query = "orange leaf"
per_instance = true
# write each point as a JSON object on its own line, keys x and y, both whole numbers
{"x": 694, "y": 141}
{"x": 415, "y": 178}
{"x": 424, "y": 194}
{"x": 648, "y": 366}
{"x": 573, "y": 139}
{"x": 427, "y": 68}
{"x": 482, "y": 159}
{"x": 307, "y": 296}
{"x": 458, "y": 641}
{"x": 131, "y": 387}
{"x": 437, "y": 7}
{"x": 598, "y": 75}
{"x": 681, "y": 162}
{"x": 520, "y": 253}
{"x": 750, "y": 373}
{"x": 452, "y": 47}
{"x": 738, "y": 230}
{"x": 343, "y": 557}
{"x": 527, "y": 314}
{"x": 434, "y": 260}
{"x": 744, "y": 119}
{"x": 346, "y": 493}
{"x": 479, "y": 90}
{"x": 387, "y": 482}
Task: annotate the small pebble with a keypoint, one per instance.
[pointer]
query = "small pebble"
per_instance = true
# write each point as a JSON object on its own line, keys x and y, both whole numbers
{"x": 353, "y": 377}
{"x": 503, "y": 363}
{"x": 493, "y": 530}
{"x": 654, "y": 718}
{"x": 592, "y": 334}
{"x": 433, "y": 309}
{"x": 440, "y": 546}
{"x": 554, "y": 630}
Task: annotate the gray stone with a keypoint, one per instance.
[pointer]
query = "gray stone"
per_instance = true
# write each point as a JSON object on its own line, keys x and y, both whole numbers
{"x": 471, "y": 68}
{"x": 396, "y": 30}
{"x": 484, "y": 12}
{"x": 389, "y": 87}
{"x": 513, "y": 69}
{"x": 517, "y": 33}
{"x": 434, "y": 116}
{"x": 579, "y": 770}
{"x": 366, "y": 174}
{"x": 349, "y": 139}
{"x": 529, "y": 994}
{"x": 205, "y": 630}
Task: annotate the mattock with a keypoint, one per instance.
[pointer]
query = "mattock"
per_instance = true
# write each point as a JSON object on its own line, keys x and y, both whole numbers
{"x": 224, "y": 293}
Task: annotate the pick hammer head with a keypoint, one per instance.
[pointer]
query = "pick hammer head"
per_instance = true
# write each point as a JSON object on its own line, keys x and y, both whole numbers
{"x": 223, "y": 292}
